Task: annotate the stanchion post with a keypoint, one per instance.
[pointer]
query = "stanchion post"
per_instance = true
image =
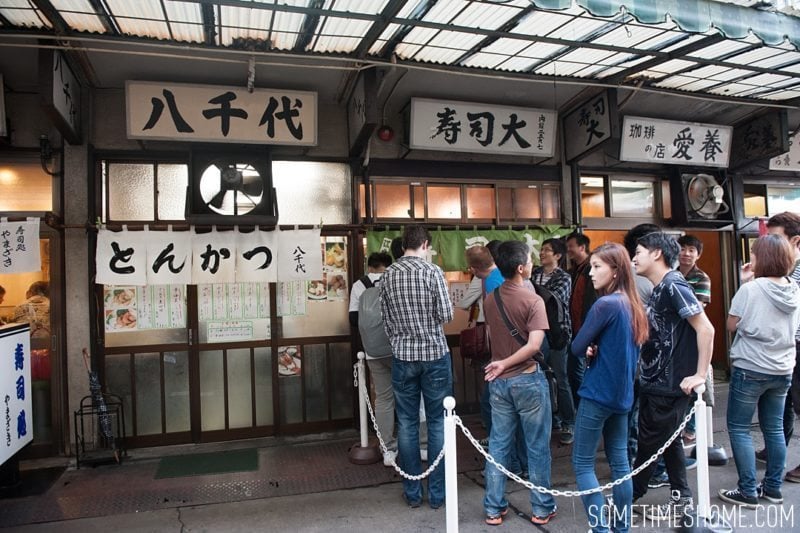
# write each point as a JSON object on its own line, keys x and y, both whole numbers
{"x": 703, "y": 491}
{"x": 362, "y": 400}
{"x": 450, "y": 465}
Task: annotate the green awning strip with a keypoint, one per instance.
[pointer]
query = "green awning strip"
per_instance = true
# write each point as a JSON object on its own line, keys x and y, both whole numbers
{"x": 695, "y": 16}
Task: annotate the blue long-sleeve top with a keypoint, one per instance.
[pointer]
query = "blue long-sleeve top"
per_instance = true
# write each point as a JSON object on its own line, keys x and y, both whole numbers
{"x": 609, "y": 378}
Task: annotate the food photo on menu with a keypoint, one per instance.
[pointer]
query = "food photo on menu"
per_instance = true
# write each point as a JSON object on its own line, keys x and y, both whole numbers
{"x": 337, "y": 287}
{"x": 335, "y": 256}
{"x": 117, "y": 319}
{"x": 289, "y": 360}
{"x": 317, "y": 289}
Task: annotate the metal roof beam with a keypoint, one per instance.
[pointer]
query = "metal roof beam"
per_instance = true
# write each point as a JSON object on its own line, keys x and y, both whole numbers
{"x": 379, "y": 26}
{"x": 508, "y": 26}
{"x": 422, "y": 10}
{"x": 209, "y": 25}
{"x": 56, "y": 20}
{"x": 308, "y": 31}
{"x": 105, "y": 17}
{"x": 5, "y": 22}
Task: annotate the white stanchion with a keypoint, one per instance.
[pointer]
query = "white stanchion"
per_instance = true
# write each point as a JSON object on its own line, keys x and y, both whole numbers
{"x": 362, "y": 400}
{"x": 450, "y": 466}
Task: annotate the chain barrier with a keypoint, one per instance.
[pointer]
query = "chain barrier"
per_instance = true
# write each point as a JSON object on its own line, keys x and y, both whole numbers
{"x": 432, "y": 466}
{"x": 554, "y": 492}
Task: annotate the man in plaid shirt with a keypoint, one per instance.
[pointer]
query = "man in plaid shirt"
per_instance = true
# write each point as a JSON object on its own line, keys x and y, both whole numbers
{"x": 415, "y": 306}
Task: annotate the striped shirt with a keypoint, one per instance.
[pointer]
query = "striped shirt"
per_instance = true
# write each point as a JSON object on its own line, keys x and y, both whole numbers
{"x": 700, "y": 284}
{"x": 415, "y": 305}
{"x": 795, "y": 276}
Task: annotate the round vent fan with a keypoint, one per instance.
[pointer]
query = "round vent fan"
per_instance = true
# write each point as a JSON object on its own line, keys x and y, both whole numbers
{"x": 231, "y": 189}
{"x": 705, "y": 196}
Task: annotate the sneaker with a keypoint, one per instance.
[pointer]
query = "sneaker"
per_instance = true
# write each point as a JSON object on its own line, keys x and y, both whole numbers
{"x": 389, "y": 458}
{"x": 412, "y": 504}
{"x": 793, "y": 475}
{"x": 674, "y": 509}
{"x": 656, "y": 482}
{"x": 761, "y": 456}
{"x": 567, "y": 436}
{"x": 484, "y": 442}
{"x": 542, "y": 520}
{"x": 689, "y": 436}
{"x": 737, "y": 498}
{"x": 691, "y": 463}
{"x": 772, "y": 496}
{"x": 423, "y": 455}
{"x": 496, "y": 520}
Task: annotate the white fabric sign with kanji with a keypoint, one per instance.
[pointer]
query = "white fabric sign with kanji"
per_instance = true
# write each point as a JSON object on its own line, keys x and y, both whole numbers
{"x": 169, "y": 257}
{"x": 213, "y": 257}
{"x": 256, "y": 260}
{"x": 19, "y": 246}
{"x": 121, "y": 257}
{"x": 299, "y": 255}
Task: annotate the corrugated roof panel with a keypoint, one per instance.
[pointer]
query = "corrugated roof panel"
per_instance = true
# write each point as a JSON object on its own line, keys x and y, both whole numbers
{"x": 484, "y": 60}
{"x": 628, "y": 35}
{"x": 187, "y": 32}
{"x": 184, "y": 12}
{"x": 791, "y": 68}
{"x": 20, "y": 13}
{"x": 731, "y": 89}
{"x": 610, "y": 71}
{"x": 667, "y": 68}
{"x": 542, "y": 50}
{"x": 414, "y": 41}
{"x": 590, "y": 71}
{"x": 578, "y": 29}
{"x": 780, "y": 59}
{"x": 340, "y": 35}
{"x": 559, "y": 68}
{"x": 377, "y": 47}
{"x": 720, "y": 49}
{"x": 587, "y": 56}
{"x": 144, "y": 18}
{"x": 683, "y": 82}
{"x": 634, "y": 61}
{"x": 519, "y": 64}
{"x": 443, "y": 12}
{"x": 708, "y": 71}
{"x": 245, "y": 23}
{"x": 751, "y": 56}
{"x": 782, "y": 95}
{"x": 487, "y": 17}
{"x": 506, "y": 46}
{"x": 772, "y": 80}
{"x": 286, "y": 26}
{"x": 663, "y": 41}
{"x": 392, "y": 29}
{"x": 447, "y": 46}
{"x": 688, "y": 39}
{"x": 79, "y": 15}
{"x": 356, "y": 6}
{"x": 542, "y": 23}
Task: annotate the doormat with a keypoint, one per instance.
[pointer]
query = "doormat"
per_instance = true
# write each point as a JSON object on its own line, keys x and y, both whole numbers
{"x": 208, "y": 463}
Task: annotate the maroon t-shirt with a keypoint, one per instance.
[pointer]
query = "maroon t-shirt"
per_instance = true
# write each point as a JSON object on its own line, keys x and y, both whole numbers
{"x": 526, "y": 311}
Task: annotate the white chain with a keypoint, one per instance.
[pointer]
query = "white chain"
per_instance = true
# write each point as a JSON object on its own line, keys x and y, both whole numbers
{"x": 572, "y": 493}
{"x": 432, "y": 466}
{"x": 501, "y": 468}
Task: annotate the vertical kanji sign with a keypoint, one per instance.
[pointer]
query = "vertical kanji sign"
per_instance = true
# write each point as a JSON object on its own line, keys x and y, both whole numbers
{"x": 19, "y": 246}
{"x": 299, "y": 255}
{"x": 15, "y": 389}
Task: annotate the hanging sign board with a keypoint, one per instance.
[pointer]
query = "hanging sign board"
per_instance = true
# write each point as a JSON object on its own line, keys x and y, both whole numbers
{"x": 61, "y": 94}
{"x": 788, "y": 160}
{"x": 591, "y": 124}
{"x": 19, "y": 246}
{"x": 764, "y": 136}
{"x": 15, "y": 389}
{"x": 362, "y": 112}
{"x": 482, "y": 128}
{"x": 205, "y": 113}
{"x": 651, "y": 140}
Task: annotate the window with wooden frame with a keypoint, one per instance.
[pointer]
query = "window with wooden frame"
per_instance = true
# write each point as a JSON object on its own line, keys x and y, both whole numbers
{"x": 619, "y": 196}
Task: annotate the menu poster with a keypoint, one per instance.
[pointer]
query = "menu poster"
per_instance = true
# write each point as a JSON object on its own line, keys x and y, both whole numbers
{"x": 220, "y": 306}
{"x": 177, "y": 306}
{"x": 291, "y": 298}
{"x": 290, "y": 361}
{"x": 457, "y": 290}
{"x": 335, "y": 268}
{"x": 119, "y": 307}
{"x": 235, "y": 307}
{"x": 317, "y": 289}
{"x": 161, "y": 313}
{"x": 128, "y": 308}
{"x": 230, "y": 330}
{"x": 204, "y": 302}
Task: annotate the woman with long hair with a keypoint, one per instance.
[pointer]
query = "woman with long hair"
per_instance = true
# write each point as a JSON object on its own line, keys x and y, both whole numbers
{"x": 764, "y": 314}
{"x": 615, "y": 327}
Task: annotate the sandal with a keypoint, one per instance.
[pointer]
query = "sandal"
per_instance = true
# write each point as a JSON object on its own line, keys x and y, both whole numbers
{"x": 542, "y": 520}
{"x": 496, "y": 520}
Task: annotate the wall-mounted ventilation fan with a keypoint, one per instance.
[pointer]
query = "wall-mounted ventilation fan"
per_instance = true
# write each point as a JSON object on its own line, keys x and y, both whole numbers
{"x": 231, "y": 188}
{"x": 700, "y": 199}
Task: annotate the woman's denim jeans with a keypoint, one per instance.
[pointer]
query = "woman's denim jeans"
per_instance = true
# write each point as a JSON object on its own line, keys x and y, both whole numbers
{"x": 592, "y": 422}
{"x": 749, "y": 391}
{"x": 523, "y": 400}
{"x": 434, "y": 379}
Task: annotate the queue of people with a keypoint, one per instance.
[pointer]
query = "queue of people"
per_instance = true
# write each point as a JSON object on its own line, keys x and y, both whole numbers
{"x": 641, "y": 344}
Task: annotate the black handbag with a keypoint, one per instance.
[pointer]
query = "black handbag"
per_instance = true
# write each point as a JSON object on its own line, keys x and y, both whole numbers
{"x": 549, "y": 375}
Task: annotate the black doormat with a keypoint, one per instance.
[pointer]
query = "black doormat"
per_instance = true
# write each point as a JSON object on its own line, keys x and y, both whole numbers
{"x": 33, "y": 482}
{"x": 208, "y": 463}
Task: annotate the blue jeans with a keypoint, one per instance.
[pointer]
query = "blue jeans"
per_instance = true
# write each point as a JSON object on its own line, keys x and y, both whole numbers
{"x": 750, "y": 391}
{"x": 576, "y": 367}
{"x": 592, "y": 422}
{"x": 557, "y": 359}
{"x": 434, "y": 379}
{"x": 523, "y": 400}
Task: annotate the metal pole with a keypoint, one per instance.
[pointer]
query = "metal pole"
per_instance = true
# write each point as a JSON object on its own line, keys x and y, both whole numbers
{"x": 450, "y": 465}
{"x": 362, "y": 400}
{"x": 703, "y": 493}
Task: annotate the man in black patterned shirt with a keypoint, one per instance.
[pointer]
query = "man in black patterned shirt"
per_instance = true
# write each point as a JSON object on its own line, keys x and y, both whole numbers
{"x": 415, "y": 306}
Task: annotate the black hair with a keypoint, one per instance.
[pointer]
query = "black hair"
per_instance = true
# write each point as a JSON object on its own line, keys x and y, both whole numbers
{"x": 492, "y": 246}
{"x": 559, "y": 247}
{"x": 397, "y": 248}
{"x": 691, "y": 240}
{"x": 580, "y": 240}
{"x": 414, "y": 236}
{"x": 635, "y": 233}
{"x": 666, "y": 243}
{"x": 379, "y": 259}
{"x": 511, "y": 254}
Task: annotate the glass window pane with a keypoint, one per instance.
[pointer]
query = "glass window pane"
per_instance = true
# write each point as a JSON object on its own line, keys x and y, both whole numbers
{"x": 780, "y": 200}
{"x": 148, "y": 393}
{"x": 551, "y": 200}
{"x": 26, "y": 187}
{"x": 312, "y": 192}
{"x": 362, "y": 201}
{"x": 391, "y": 200}
{"x": 240, "y": 397}
{"x": 444, "y": 202}
{"x": 315, "y": 376}
{"x": 212, "y": 391}
{"x": 341, "y": 363}
{"x": 666, "y": 199}
{"x": 172, "y": 182}
{"x": 632, "y": 198}
{"x": 593, "y": 201}
{"x": 176, "y": 391}
{"x": 118, "y": 381}
{"x": 419, "y": 201}
{"x": 263, "y": 370}
{"x": 755, "y": 200}
{"x": 130, "y": 192}
{"x": 480, "y": 203}
{"x": 527, "y": 203}
{"x": 505, "y": 203}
